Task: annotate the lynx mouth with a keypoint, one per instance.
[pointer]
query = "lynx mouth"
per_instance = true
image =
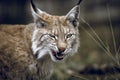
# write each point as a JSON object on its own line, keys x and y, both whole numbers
{"x": 58, "y": 55}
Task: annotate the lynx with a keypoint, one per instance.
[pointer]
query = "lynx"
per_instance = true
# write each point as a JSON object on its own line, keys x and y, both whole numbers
{"x": 27, "y": 52}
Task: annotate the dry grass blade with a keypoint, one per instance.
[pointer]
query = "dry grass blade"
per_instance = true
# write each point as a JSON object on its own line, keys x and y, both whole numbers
{"x": 113, "y": 36}
{"x": 99, "y": 44}
{"x": 106, "y": 50}
{"x": 78, "y": 76}
{"x": 94, "y": 32}
{"x": 118, "y": 49}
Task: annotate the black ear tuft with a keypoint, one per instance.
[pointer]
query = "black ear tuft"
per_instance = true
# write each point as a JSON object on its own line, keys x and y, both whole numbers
{"x": 79, "y": 2}
{"x": 33, "y": 6}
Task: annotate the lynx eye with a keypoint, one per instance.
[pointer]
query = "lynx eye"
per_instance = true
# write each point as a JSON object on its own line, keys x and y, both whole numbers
{"x": 41, "y": 24}
{"x": 52, "y": 36}
{"x": 69, "y": 35}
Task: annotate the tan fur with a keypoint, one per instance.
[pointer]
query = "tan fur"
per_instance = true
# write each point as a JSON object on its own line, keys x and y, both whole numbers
{"x": 27, "y": 52}
{"x": 16, "y": 54}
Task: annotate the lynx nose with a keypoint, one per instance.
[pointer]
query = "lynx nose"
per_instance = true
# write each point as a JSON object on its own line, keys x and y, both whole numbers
{"x": 61, "y": 49}
{"x": 61, "y": 46}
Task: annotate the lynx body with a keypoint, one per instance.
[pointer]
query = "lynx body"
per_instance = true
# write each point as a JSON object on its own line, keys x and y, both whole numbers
{"x": 27, "y": 52}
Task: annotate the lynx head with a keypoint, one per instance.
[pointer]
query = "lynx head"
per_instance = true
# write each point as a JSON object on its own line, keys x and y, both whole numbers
{"x": 57, "y": 36}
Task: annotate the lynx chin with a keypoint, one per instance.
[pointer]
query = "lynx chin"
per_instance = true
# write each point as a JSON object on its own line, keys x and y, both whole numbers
{"x": 27, "y": 52}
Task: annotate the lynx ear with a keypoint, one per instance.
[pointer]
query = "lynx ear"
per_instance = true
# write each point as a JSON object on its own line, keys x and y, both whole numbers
{"x": 73, "y": 15}
{"x": 38, "y": 15}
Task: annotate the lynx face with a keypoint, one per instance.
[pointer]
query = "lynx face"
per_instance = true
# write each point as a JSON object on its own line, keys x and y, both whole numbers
{"x": 56, "y": 36}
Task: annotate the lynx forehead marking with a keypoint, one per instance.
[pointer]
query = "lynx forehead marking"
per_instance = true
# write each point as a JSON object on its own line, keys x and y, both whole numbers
{"x": 57, "y": 24}
{"x": 54, "y": 20}
{"x": 60, "y": 24}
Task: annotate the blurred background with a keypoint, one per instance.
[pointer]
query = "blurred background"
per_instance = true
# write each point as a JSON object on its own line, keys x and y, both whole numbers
{"x": 99, "y": 35}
